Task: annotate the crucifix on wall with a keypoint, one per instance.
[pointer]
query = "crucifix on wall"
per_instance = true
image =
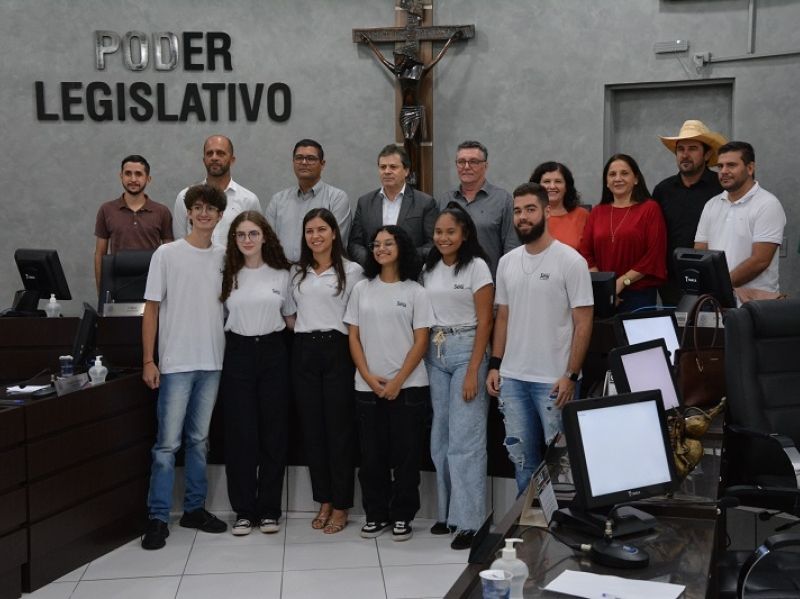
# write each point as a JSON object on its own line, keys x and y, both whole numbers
{"x": 413, "y": 60}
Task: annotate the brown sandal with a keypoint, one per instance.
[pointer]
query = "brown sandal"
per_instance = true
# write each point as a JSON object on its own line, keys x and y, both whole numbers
{"x": 321, "y": 521}
{"x": 334, "y": 526}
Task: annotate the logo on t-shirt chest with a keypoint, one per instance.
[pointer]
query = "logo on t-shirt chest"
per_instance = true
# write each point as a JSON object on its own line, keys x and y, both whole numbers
{"x": 544, "y": 276}
{"x": 401, "y": 304}
{"x": 458, "y": 286}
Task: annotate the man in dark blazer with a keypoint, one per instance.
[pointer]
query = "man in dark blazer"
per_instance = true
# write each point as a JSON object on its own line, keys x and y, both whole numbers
{"x": 395, "y": 203}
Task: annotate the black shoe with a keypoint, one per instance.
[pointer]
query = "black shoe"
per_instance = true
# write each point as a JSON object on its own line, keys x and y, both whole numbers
{"x": 203, "y": 520}
{"x": 441, "y": 528}
{"x": 155, "y": 535}
{"x": 401, "y": 531}
{"x": 374, "y": 529}
{"x": 463, "y": 540}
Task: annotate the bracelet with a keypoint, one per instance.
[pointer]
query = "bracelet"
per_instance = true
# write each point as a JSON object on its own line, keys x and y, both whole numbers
{"x": 494, "y": 363}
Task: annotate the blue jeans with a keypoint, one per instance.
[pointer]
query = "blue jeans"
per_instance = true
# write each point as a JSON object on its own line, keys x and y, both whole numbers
{"x": 532, "y": 420}
{"x": 458, "y": 433}
{"x": 185, "y": 403}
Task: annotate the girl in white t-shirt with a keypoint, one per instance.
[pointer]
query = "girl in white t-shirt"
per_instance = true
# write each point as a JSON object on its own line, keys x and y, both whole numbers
{"x": 255, "y": 389}
{"x": 389, "y": 315}
{"x": 459, "y": 285}
{"x": 322, "y": 369}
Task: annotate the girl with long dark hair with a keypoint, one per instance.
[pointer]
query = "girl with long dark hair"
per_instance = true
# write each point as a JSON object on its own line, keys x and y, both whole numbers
{"x": 322, "y": 369}
{"x": 389, "y": 316}
{"x": 459, "y": 285}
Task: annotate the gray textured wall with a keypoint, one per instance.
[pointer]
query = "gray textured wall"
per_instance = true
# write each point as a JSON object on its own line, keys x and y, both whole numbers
{"x": 530, "y": 85}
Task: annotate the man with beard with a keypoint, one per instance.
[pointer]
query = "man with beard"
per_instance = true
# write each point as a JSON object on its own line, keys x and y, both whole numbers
{"x": 746, "y": 222}
{"x": 218, "y": 157}
{"x": 683, "y": 196}
{"x": 133, "y": 221}
{"x": 541, "y": 332}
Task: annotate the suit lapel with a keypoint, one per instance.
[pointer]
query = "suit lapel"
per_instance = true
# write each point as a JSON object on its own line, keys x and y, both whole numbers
{"x": 408, "y": 202}
{"x": 375, "y": 213}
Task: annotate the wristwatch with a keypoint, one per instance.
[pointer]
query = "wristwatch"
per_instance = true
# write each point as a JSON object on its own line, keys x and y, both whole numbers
{"x": 626, "y": 281}
{"x": 573, "y": 376}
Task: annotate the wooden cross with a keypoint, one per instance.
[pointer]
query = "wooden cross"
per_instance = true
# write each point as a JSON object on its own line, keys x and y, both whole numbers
{"x": 413, "y": 59}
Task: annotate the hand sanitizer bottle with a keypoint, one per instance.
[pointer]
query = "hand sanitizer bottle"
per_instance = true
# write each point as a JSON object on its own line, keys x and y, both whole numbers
{"x": 53, "y": 308}
{"x": 510, "y": 563}
{"x": 98, "y": 372}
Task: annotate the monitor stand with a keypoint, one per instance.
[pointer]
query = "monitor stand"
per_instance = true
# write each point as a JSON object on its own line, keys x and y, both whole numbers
{"x": 26, "y": 303}
{"x": 626, "y": 520}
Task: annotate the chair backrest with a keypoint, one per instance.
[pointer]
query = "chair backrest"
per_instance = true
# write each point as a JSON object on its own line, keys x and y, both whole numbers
{"x": 123, "y": 277}
{"x": 762, "y": 363}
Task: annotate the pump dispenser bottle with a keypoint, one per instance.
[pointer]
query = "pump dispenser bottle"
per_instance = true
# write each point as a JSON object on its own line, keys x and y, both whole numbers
{"x": 98, "y": 372}
{"x": 509, "y": 562}
{"x": 53, "y": 308}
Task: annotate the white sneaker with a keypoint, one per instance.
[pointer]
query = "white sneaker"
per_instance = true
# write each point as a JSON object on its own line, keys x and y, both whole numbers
{"x": 242, "y": 527}
{"x": 269, "y": 526}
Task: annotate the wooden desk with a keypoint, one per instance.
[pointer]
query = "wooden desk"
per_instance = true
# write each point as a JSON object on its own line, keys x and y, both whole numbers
{"x": 13, "y": 502}
{"x": 86, "y": 462}
{"x": 681, "y": 549}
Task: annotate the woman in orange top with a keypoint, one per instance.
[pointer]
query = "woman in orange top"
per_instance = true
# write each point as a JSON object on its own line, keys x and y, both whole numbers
{"x": 567, "y": 219}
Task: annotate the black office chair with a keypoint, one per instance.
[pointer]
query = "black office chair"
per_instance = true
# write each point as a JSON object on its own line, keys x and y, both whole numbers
{"x": 123, "y": 277}
{"x": 762, "y": 354}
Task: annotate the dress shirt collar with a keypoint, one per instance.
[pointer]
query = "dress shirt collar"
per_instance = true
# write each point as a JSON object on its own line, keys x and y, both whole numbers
{"x": 399, "y": 195}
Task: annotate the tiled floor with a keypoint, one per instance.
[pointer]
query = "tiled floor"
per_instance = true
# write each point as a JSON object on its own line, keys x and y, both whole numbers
{"x": 296, "y": 563}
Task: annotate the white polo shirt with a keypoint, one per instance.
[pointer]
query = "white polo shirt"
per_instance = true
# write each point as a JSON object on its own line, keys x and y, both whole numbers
{"x": 319, "y": 306}
{"x": 735, "y": 226}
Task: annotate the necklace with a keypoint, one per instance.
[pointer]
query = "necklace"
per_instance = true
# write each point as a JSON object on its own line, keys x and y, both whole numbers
{"x": 613, "y": 230}
{"x": 542, "y": 255}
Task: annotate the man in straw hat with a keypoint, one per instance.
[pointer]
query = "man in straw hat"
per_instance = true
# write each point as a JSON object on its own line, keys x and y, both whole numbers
{"x": 683, "y": 196}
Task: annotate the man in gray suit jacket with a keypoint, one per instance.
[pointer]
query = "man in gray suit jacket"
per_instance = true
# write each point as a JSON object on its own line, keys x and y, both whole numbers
{"x": 395, "y": 203}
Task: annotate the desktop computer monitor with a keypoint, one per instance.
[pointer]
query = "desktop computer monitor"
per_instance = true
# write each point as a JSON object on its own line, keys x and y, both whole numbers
{"x": 644, "y": 366}
{"x": 637, "y": 327}
{"x": 703, "y": 271}
{"x": 42, "y": 276}
{"x": 84, "y": 344}
{"x": 619, "y": 452}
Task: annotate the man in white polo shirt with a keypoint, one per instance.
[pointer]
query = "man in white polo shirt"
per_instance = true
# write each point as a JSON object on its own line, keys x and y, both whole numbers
{"x": 218, "y": 157}
{"x": 746, "y": 222}
{"x": 541, "y": 332}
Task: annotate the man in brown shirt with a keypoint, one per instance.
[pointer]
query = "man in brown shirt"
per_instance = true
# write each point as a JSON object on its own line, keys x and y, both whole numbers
{"x": 133, "y": 221}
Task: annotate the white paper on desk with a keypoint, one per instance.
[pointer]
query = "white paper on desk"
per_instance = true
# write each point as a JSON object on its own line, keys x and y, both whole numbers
{"x": 27, "y": 389}
{"x": 596, "y": 586}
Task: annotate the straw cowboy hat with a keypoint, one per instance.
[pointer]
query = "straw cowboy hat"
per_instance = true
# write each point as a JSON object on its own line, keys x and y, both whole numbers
{"x": 696, "y": 130}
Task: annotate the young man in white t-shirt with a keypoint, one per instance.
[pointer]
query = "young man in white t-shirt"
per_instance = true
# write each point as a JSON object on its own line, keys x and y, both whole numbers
{"x": 183, "y": 307}
{"x": 541, "y": 332}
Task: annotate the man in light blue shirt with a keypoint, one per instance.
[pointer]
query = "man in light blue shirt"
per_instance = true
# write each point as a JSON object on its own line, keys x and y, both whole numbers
{"x": 287, "y": 208}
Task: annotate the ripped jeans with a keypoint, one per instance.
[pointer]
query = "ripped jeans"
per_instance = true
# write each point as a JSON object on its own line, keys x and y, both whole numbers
{"x": 531, "y": 420}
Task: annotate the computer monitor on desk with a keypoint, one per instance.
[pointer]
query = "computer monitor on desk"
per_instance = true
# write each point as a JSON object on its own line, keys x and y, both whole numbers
{"x": 700, "y": 272}
{"x": 604, "y": 291}
{"x": 42, "y": 276}
{"x": 637, "y": 327}
{"x": 619, "y": 452}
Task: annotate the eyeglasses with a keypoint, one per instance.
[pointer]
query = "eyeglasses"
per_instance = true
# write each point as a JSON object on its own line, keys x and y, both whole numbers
{"x": 472, "y": 162}
{"x": 376, "y": 245}
{"x": 253, "y": 235}
{"x": 300, "y": 159}
{"x": 207, "y": 208}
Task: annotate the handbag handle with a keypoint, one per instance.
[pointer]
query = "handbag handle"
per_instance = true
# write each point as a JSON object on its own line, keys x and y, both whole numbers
{"x": 691, "y": 317}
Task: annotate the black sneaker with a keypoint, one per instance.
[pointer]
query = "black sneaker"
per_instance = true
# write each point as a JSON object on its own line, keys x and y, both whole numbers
{"x": 155, "y": 535}
{"x": 463, "y": 540}
{"x": 401, "y": 531}
{"x": 374, "y": 529}
{"x": 441, "y": 528}
{"x": 203, "y": 520}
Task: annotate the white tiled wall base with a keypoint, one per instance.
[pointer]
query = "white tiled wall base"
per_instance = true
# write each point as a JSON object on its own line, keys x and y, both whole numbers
{"x": 501, "y": 493}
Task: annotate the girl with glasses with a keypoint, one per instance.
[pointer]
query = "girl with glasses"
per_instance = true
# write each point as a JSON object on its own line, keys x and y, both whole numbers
{"x": 255, "y": 389}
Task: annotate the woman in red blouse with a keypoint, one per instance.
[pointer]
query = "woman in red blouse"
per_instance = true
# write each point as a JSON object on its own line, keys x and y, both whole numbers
{"x": 626, "y": 234}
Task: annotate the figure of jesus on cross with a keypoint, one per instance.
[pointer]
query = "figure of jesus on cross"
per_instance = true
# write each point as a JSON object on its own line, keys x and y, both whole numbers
{"x": 410, "y": 70}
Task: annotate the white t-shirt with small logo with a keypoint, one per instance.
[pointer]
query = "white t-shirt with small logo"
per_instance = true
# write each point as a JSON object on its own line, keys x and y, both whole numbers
{"x": 540, "y": 291}
{"x": 453, "y": 295}
{"x": 387, "y": 315}
{"x": 261, "y": 301}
